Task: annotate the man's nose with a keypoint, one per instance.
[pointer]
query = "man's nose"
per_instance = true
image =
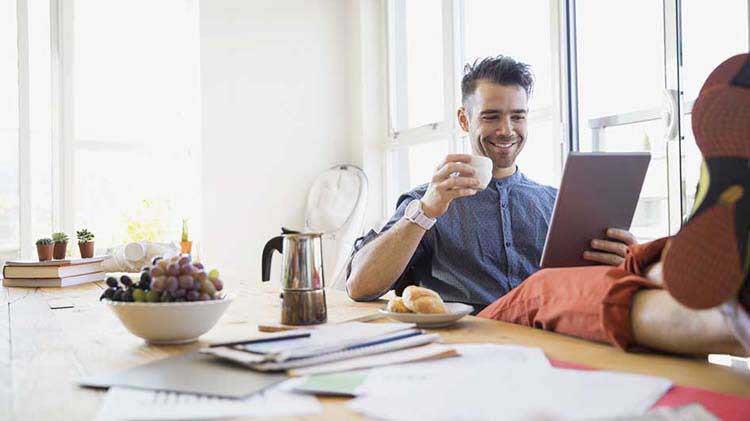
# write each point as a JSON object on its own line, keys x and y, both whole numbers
{"x": 503, "y": 127}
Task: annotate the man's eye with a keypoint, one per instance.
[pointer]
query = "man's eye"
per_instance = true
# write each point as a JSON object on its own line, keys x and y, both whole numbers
{"x": 490, "y": 117}
{"x": 518, "y": 117}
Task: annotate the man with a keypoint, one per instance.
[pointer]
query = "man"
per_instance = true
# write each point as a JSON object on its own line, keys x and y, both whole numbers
{"x": 470, "y": 245}
{"x": 705, "y": 304}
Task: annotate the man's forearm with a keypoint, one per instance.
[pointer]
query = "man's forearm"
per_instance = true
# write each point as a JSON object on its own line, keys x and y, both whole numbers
{"x": 378, "y": 264}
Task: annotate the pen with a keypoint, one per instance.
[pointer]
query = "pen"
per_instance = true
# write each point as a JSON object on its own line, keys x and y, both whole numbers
{"x": 261, "y": 340}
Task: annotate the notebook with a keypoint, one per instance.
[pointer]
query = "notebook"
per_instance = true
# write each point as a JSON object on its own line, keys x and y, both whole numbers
{"x": 53, "y": 282}
{"x": 191, "y": 372}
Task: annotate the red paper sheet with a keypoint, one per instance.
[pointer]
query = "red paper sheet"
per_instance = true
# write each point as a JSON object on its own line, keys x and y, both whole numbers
{"x": 726, "y": 407}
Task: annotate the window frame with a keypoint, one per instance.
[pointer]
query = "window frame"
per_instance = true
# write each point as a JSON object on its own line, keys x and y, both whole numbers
{"x": 63, "y": 146}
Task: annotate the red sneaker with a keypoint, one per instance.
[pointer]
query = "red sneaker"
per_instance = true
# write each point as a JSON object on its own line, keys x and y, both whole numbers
{"x": 708, "y": 261}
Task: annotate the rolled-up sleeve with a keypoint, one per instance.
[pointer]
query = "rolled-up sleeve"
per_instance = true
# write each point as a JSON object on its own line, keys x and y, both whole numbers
{"x": 420, "y": 254}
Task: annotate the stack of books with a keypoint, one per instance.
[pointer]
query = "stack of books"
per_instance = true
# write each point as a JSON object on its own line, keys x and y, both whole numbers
{"x": 52, "y": 273}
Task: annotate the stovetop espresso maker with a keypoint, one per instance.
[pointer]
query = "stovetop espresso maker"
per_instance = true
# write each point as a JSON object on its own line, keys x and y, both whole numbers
{"x": 303, "y": 299}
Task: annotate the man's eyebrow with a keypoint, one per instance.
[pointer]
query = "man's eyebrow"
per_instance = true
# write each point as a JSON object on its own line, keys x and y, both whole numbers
{"x": 492, "y": 111}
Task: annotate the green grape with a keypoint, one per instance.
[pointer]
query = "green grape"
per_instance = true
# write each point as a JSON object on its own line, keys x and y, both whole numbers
{"x": 214, "y": 274}
{"x": 139, "y": 295}
{"x": 153, "y": 296}
{"x": 207, "y": 287}
{"x": 200, "y": 275}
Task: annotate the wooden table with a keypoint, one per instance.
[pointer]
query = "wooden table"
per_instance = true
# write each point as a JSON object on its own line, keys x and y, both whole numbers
{"x": 42, "y": 351}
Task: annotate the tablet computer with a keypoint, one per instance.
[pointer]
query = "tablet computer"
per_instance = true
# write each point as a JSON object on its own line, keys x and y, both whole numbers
{"x": 597, "y": 191}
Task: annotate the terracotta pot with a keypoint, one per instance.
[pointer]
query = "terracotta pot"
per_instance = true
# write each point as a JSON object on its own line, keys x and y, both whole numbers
{"x": 186, "y": 246}
{"x": 58, "y": 252}
{"x": 44, "y": 251}
{"x": 87, "y": 249}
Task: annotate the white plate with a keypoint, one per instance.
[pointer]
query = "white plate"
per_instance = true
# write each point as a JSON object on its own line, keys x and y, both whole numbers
{"x": 455, "y": 312}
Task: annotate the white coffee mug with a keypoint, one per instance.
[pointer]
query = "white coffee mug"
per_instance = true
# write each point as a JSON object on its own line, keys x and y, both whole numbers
{"x": 483, "y": 166}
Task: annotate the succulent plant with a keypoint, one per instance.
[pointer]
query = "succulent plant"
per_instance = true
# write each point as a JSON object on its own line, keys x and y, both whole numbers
{"x": 43, "y": 241}
{"x": 84, "y": 236}
{"x": 59, "y": 237}
{"x": 185, "y": 236}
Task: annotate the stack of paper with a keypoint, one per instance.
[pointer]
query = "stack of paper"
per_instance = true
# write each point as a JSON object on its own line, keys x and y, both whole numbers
{"x": 339, "y": 347}
{"x": 133, "y": 404}
{"x": 502, "y": 382}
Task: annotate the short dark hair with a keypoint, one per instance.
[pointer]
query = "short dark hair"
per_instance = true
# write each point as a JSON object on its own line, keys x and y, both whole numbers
{"x": 502, "y": 70}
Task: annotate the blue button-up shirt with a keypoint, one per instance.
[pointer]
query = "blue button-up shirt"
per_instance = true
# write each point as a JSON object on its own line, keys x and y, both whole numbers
{"x": 484, "y": 245}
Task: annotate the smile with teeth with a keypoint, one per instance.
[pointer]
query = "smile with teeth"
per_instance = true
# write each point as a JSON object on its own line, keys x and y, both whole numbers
{"x": 502, "y": 145}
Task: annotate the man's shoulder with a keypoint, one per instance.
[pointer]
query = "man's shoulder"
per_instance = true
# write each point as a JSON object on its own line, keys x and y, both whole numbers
{"x": 533, "y": 185}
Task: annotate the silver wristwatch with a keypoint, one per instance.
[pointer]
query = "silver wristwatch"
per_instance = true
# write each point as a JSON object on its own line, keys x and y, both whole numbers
{"x": 413, "y": 213}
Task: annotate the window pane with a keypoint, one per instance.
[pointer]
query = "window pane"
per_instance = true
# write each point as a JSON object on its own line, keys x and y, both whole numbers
{"x": 422, "y": 67}
{"x": 624, "y": 70}
{"x": 540, "y": 158}
{"x": 524, "y": 35}
{"x": 621, "y": 82}
{"x": 9, "y": 217}
{"x": 120, "y": 202}
{"x": 41, "y": 119}
{"x": 137, "y": 116}
{"x": 423, "y": 159}
{"x": 705, "y": 45}
{"x": 651, "y": 219}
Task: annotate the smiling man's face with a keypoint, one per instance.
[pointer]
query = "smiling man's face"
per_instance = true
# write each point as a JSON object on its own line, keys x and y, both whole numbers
{"x": 495, "y": 118}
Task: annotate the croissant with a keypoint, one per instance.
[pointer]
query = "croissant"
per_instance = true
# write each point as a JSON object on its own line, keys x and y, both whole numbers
{"x": 423, "y": 300}
{"x": 396, "y": 305}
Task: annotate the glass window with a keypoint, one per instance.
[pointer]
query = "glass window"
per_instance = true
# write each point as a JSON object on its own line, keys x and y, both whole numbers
{"x": 524, "y": 35}
{"x": 705, "y": 45}
{"x": 136, "y": 119}
{"x": 624, "y": 70}
{"x": 40, "y": 86}
{"x": 424, "y": 159}
{"x": 621, "y": 85}
{"x": 417, "y": 64}
{"x": 9, "y": 202}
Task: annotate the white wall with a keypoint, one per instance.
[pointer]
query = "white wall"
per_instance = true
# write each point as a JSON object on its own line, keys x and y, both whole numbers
{"x": 276, "y": 112}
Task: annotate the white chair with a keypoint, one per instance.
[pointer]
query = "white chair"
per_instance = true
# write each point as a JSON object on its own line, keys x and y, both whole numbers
{"x": 336, "y": 207}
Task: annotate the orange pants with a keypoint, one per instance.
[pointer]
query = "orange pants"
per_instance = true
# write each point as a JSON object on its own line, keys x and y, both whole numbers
{"x": 591, "y": 302}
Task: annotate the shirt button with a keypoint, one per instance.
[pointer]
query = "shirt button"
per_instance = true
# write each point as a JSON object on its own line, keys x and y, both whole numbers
{"x": 507, "y": 244}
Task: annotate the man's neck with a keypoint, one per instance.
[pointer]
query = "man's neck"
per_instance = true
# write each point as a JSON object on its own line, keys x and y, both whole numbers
{"x": 503, "y": 172}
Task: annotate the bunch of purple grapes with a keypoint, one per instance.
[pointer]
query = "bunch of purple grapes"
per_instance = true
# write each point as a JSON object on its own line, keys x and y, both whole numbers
{"x": 168, "y": 280}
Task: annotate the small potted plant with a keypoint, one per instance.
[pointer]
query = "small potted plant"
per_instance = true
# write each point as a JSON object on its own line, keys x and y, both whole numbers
{"x": 185, "y": 245}
{"x": 85, "y": 243}
{"x": 61, "y": 245}
{"x": 44, "y": 249}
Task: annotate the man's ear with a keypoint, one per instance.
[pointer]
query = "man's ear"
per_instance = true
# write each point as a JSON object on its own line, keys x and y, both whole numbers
{"x": 463, "y": 119}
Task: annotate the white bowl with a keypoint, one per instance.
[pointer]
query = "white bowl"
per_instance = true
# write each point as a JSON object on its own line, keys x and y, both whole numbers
{"x": 455, "y": 312}
{"x": 169, "y": 323}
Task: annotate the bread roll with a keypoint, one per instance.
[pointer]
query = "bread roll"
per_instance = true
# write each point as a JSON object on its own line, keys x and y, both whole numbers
{"x": 423, "y": 300}
{"x": 396, "y": 305}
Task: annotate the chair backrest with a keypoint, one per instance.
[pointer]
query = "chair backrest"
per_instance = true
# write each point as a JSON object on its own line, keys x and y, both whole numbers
{"x": 336, "y": 207}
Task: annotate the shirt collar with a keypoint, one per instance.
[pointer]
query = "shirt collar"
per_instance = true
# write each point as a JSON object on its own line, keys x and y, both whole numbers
{"x": 507, "y": 181}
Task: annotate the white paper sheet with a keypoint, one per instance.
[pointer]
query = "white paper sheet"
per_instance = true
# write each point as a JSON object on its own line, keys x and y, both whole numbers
{"x": 502, "y": 382}
{"x": 134, "y": 404}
